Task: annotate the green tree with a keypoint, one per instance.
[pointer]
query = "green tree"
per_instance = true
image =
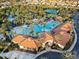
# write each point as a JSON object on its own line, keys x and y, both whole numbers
{"x": 68, "y": 55}
{"x": 1, "y": 57}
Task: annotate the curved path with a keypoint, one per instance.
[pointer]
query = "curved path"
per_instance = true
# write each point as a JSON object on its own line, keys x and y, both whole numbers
{"x": 54, "y": 50}
{"x": 74, "y": 43}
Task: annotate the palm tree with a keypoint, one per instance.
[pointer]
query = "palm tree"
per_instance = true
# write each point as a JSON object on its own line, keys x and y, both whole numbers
{"x": 68, "y": 55}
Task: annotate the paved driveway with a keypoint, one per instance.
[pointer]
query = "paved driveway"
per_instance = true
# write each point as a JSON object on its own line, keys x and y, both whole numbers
{"x": 18, "y": 55}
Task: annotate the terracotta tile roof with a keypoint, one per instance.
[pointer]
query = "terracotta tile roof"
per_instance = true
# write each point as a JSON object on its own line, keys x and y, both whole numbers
{"x": 46, "y": 36}
{"x": 63, "y": 27}
{"x": 38, "y": 43}
{"x": 67, "y": 26}
{"x": 29, "y": 44}
{"x": 19, "y": 38}
{"x": 62, "y": 38}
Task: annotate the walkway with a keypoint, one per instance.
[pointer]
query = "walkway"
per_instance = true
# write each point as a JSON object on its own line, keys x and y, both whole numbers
{"x": 18, "y": 55}
{"x": 74, "y": 43}
{"x": 76, "y": 48}
{"x": 52, "y": 50}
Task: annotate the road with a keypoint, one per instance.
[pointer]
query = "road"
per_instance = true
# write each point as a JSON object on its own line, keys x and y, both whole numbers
{"x": 52, "y": 50}
{"x": 18, "y": 55}
{"x": 76, "y": 48}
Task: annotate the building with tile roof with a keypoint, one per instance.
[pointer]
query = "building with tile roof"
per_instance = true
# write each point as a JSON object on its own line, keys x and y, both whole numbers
{"x": 67, "y": 26}
{"x": 63, "y": 27}
{"x": 19, "y": 38}
{"x": 29, "y": 44}
{"x": 45, "y": 38}
{"x": 26, "y": 42}
{"x": 62, "y": 38}
{"x": 61, "y": 35}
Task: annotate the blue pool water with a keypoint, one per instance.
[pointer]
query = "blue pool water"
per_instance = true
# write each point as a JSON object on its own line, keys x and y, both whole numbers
{"x": 47, "y": 27}
{"x": 51, "y": 11}
{"x": 37, "y": 28}
{"x": 51, "y": 25}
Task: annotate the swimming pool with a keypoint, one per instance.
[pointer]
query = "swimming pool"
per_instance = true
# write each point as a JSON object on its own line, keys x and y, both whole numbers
{"x": 51, "y": 11}
{"x": 36, "y": 28}
{"x": 46, "y": 27}
{"x": 51, "y": 25}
